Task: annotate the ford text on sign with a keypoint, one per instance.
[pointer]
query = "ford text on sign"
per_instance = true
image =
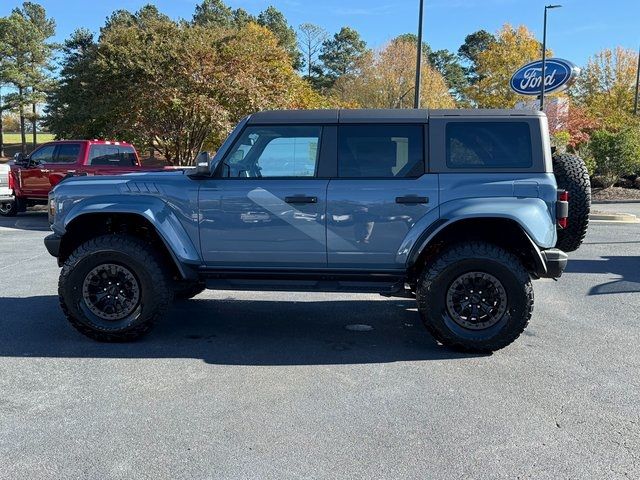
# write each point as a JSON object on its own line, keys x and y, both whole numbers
{"x": 559, "y": 75}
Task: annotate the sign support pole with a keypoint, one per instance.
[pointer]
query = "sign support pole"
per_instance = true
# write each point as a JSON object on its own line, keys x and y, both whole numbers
{"x": 635, "y": 102}
{"x": 416, "y": 101}
{"x": 544, "y": 59}
{"x": 544, "y": 54}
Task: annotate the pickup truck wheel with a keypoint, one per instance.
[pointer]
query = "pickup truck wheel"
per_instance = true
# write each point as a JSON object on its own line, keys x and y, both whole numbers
{"x": 113, "y": 288}
{"x": 572, "y": 175}
{"x": 475, "y": 297}
{"x": 9, "y": 208}
{"x": 185, "y": 291}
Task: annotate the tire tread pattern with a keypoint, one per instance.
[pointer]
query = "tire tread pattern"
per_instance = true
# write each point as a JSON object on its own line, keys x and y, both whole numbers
{"x": 162, "y": 292}
{"x": 572, "y": 175}
{"x": 464, "y": 251}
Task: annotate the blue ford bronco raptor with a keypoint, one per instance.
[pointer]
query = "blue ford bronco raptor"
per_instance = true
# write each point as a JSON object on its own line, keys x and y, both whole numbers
{"x": 459, "y": 208}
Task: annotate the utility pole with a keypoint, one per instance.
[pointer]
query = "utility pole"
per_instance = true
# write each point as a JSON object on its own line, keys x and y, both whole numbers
{"x": 544, "y": 54}
{"x": 416, "y": 102}
{"x": 635, "y": 102}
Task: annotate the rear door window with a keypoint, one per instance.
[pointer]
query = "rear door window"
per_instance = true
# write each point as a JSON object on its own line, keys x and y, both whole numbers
{"x": 472, "y": 145}
{"x": 380, "y": 151}
{"x": 112, "y": 155}
{"x": 66, "y": 153}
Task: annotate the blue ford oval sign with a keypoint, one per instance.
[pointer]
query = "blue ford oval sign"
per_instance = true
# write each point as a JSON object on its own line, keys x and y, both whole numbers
{"x": 559, "y": 74}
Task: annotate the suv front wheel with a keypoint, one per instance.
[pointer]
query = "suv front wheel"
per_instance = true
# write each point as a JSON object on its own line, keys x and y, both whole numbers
{"x": 475, "y": 296}
{"x": 113, "y": 288}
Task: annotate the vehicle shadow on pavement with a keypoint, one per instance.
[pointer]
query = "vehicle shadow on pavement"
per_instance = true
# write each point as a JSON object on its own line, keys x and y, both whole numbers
{"x": 627, "y": 267}
{"x": 37, "y": 220}
{"x": 236, "y": 332}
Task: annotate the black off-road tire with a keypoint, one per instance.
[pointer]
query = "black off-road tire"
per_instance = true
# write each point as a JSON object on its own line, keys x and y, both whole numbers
{"x": 139, "y": 258}
{"x": 572, "y": 175}
{"x": 18, "y": 205}
{"x": 439, "y": 275}
{"x": 9, "y": 209}
{"x": 187, "y": 290}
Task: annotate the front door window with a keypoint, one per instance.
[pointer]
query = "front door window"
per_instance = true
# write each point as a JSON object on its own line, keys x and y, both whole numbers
{"x": 274, "y": 152}
{"x": 44, "y": 154}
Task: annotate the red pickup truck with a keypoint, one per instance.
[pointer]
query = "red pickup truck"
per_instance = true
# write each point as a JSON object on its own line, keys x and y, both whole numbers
{"x": 31, "y": 178}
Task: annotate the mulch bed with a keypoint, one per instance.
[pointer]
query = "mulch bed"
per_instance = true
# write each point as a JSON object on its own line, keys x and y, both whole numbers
{"x": 615, "y": 193}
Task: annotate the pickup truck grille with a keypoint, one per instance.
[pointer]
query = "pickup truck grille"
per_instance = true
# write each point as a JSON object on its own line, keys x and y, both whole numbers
{"x": 4, "y": 180}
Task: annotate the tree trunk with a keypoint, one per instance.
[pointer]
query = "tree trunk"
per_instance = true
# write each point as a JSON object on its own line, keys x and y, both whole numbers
{"x": 33, "y": 125}
{"x": 23, "y": 134}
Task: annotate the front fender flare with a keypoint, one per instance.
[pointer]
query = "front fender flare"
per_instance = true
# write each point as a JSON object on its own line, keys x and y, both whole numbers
{"x": 158, "y": 212}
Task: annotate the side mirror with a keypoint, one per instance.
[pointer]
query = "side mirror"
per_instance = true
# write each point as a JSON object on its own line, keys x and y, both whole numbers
{"x": 20, "y": 158}
{"x": 202, "y": 164}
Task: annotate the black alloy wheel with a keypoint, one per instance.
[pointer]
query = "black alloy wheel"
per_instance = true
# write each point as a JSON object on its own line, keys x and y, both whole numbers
{"x": 111, "y": 291}
{"x": 476, "y": 300}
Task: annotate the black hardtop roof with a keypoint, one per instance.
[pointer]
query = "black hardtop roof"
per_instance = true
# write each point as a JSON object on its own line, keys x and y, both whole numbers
{"x": 377, "y": 115}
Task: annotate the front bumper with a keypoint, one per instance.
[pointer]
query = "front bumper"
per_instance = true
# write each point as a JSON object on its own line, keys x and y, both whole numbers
{"x": 6, "y": 195}
{"x": 52, "y": 242}
{"x": 554, "y": 261}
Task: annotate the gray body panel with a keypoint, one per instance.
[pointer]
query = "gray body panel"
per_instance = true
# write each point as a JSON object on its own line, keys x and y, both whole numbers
{"x": 247, "y": 222}
{"x": 354, "y": 224}
{"x": 366, "y": 228}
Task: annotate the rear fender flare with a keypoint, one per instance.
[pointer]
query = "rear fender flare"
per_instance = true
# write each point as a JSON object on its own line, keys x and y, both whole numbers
{"x": 532, "y": 215}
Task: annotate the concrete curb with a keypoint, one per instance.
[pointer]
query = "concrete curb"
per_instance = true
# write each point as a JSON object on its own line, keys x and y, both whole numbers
{"x": 607, "y": 202}
{"x": 613, "y": 217}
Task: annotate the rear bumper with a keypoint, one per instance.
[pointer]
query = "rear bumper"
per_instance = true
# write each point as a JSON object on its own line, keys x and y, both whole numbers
{"x": 52, "y": 242}
{"x": 554, "y": 261}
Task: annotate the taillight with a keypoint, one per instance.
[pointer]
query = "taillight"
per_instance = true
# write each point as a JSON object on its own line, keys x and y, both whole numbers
{"x": 11, "y": 181}
{"x": 563, "y": 195}
{"x": 562, "y": 209}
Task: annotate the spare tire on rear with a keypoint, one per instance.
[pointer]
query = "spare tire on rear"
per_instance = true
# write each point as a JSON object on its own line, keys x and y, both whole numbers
{"x": 572, "y": 175}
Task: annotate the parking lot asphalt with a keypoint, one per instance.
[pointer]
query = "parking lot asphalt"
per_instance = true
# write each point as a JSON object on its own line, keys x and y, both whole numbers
{"x": 273, "y": 386}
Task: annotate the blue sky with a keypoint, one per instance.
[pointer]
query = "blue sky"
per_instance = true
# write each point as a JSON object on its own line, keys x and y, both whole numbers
{"x": 576, "y": 31}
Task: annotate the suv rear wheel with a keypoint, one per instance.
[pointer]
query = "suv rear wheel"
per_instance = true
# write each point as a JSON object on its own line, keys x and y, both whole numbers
{"x": 475, "y": 296}
{"x": 113, "y": 288}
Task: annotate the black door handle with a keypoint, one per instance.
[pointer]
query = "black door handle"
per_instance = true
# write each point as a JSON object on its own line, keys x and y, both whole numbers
{"x": 412, "y": 199}
{"x": 301, "y": 199}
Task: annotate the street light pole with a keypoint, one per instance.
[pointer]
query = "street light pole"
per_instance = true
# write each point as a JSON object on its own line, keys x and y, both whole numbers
{"x": 416, "y": 101}
{"x": 544, "y": 54}
{"x": 635, "y": 102}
